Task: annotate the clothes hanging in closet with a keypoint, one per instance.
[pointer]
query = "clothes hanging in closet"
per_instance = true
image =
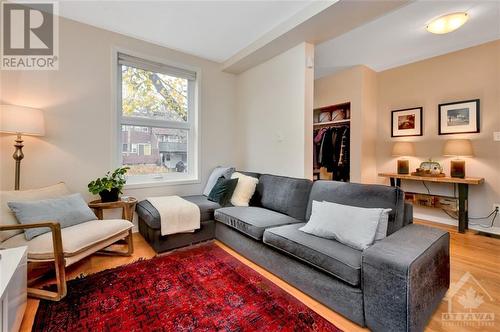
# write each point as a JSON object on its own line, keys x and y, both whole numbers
{"x": 331, "y": 150}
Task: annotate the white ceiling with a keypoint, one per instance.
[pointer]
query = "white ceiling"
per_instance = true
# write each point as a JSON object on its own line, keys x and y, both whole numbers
{"x": 400, "y": 37}
{"x": 214, "y": 30}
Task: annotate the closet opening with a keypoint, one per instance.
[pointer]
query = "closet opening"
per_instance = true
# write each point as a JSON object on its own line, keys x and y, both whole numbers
{"x": 331, "y": 142}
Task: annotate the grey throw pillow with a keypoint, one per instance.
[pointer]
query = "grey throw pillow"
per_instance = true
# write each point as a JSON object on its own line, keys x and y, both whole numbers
{"x": 67, "y": 210}
{"x": 219, "y": 171}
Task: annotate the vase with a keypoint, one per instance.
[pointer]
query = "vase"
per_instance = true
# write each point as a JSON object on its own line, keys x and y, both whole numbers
{"x": 109, "y": 195}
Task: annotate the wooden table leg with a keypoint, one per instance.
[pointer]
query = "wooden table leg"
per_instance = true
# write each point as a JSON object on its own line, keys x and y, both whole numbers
{"x": 128, "y": 212}
{"x": 98, "y": 213}
{"x": 395, "y": 182}
{"x": 463, "y": 213}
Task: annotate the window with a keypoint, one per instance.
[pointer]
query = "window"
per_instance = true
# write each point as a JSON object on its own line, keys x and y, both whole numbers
{"x": 157, "y": 121}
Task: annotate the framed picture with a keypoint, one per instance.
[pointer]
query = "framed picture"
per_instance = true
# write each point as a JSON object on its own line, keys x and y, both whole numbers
{"x": 406, "y": 122}
{"x": 459, "y": 117}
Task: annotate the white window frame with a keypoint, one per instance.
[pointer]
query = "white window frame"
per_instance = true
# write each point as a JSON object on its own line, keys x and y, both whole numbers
{"x": 192, "y": 125}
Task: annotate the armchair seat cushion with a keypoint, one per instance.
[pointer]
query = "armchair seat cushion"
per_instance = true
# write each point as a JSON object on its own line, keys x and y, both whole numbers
{"x": 330, "y": 256}
{"x": 75, "y": 239}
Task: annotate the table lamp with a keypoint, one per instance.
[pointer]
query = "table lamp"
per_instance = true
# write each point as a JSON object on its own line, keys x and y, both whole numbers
{"x": 458, "y": 148}
{"x": 20, "y": 120}
{"x": 403, "y": 149}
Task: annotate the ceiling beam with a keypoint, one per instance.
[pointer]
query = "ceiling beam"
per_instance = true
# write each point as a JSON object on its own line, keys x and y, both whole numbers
{"x": 318, "y": 22}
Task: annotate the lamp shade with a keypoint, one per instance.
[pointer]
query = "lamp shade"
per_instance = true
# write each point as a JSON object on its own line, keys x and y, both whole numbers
{"x": 21, "y": 120}
{"x": 458, "y": 148}
{"x": 403, "y": 149}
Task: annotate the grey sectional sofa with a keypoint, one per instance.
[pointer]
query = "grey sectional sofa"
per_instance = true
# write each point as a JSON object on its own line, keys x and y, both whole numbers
{"x": 394, "y": 285}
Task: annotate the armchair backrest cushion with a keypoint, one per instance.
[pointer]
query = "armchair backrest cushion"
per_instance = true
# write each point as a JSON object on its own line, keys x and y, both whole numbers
{"x": 361, "y": 195}
{"x": 7, "y": 217}
{"x": 68, "y": 210}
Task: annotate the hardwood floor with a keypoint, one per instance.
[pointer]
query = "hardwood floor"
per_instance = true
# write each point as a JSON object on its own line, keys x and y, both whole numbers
{"x": 470, "y": 253}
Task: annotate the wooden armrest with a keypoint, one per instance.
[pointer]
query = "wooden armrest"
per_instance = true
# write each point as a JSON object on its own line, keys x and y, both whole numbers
{"x": 55, "y": 229}
{"x": 53, "y": 225}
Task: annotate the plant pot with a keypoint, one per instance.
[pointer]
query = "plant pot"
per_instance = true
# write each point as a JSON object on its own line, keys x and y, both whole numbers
{"x": 109, "y": 195}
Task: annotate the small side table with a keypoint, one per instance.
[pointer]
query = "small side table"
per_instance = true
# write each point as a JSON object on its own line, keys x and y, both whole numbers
{"x": 127, "y": 204}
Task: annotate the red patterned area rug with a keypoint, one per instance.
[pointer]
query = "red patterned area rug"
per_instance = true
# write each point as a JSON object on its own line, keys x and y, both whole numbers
{"x": 203, "y": 288}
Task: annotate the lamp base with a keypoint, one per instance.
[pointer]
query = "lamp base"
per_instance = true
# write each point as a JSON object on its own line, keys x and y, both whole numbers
{"x": 403, "y": 166}
{"x": 457, "y": 169}
{"x": 18, "y": 156}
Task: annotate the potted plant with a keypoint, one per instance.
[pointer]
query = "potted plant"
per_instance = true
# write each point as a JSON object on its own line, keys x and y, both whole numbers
{"x": 110, "y": 186}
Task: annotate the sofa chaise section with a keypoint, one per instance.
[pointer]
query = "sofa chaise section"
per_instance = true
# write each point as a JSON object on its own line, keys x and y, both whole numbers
{"x": 150, "y": 225}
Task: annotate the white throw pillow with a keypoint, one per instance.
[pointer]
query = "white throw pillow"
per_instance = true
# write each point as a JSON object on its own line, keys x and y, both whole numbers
{"x": 244, "y": 189}
{"x": 7, "y": 217}
{"x": 382, "y": 224}
{"x": 350, "y": 225}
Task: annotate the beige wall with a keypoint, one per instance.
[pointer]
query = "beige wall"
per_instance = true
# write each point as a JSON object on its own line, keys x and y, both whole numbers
{"x": 466, "y": 74}
{"x": 80, "y": 117}
{"x": 357, "y": 85}
{"x": 463, "y": 75}
{"x": 275, "y": 114}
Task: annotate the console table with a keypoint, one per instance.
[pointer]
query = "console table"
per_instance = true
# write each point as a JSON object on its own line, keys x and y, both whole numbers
{"x": 463, "y": 191}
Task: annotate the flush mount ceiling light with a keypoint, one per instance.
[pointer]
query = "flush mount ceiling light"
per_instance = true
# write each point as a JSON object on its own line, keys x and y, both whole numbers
{"x": 447, "y": 23}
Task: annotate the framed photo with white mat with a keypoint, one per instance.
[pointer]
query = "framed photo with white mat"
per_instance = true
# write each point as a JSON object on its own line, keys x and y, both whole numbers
{"x": 459, "y": 117}
{"x": 407, "y": 122}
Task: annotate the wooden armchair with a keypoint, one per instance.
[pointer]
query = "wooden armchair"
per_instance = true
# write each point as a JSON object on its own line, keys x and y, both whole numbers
{"x": 61, "y": 247}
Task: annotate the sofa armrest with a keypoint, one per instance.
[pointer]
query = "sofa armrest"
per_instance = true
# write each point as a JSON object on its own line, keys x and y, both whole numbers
{"x": 405, "y": 277}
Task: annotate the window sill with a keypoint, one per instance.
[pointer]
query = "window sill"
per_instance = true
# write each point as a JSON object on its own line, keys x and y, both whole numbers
{"x": 161, "y": 183}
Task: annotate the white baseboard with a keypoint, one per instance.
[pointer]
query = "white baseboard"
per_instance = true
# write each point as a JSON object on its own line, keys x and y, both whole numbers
{"x": 434, "y": 218}
{"x": 490, "y": 230}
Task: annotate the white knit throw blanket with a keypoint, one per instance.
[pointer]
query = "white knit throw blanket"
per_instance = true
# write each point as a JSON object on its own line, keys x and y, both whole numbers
{"x": 177, "y": 215}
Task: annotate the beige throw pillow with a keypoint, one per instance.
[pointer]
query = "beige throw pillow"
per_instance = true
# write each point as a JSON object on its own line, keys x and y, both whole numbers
{"x": 244, "y": 189}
